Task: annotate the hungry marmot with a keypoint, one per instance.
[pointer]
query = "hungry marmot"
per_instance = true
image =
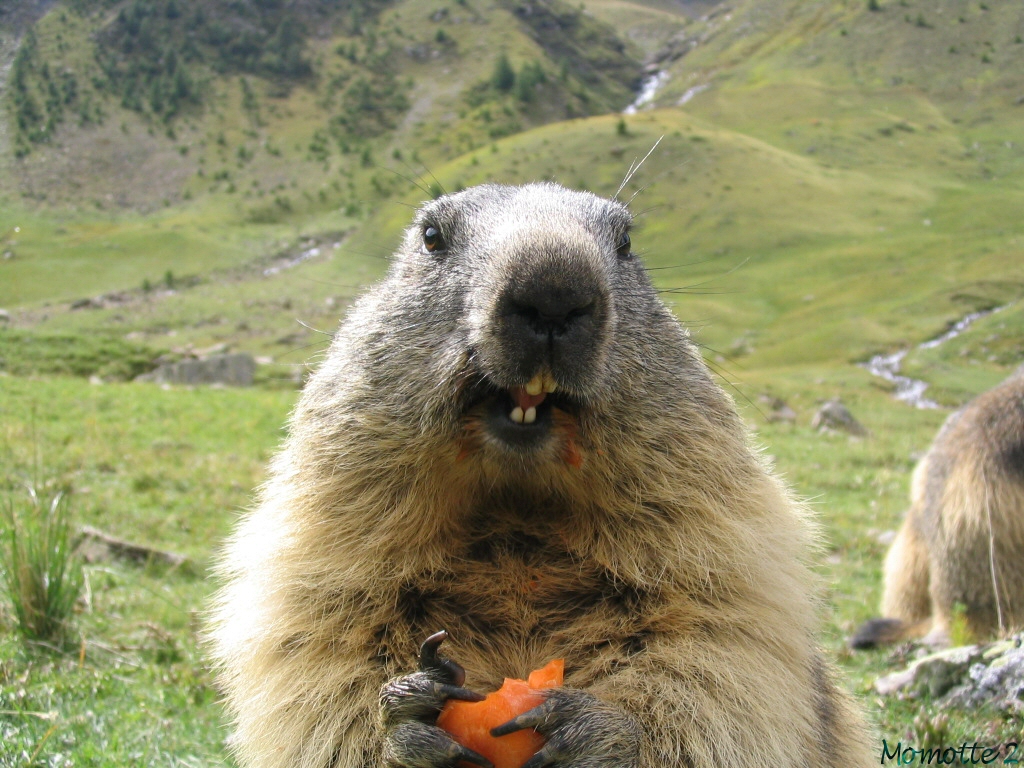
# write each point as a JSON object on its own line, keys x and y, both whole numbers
{"x": 960, "y": 547}
{"x": 513, "y": 439}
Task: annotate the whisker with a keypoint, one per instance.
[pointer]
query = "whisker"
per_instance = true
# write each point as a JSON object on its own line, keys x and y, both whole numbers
{"x": 412, "y": 180}
{"x": 309, "y": 327}
{"x": 634, "y": 167}
{"x": 721, "y": 371}
{"x": 656, "y": 179}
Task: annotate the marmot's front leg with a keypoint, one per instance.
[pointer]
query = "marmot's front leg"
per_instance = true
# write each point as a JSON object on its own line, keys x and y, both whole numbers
{"x": 581, "y": 731}
{"x": 410, "y": 704}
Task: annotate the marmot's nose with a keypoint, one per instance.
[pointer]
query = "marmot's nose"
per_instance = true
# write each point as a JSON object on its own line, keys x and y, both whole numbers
{"x": 553, "y": 315}
{"x": 551, "y": 310}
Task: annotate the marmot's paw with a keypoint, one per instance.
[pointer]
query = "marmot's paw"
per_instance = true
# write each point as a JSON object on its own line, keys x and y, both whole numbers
{"x": 581, "y": 732}
{"x": 419, "y": 745}
{"x": 410, "y": 704}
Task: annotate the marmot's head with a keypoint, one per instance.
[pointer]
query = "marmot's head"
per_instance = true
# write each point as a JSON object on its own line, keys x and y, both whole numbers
{"x": 531, "y": 315}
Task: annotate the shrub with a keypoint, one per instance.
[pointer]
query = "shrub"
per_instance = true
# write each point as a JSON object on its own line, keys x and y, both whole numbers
{"x": 530, "y": 76}
{"x": 42, "y": 574}
{"x": 504, "y": 77}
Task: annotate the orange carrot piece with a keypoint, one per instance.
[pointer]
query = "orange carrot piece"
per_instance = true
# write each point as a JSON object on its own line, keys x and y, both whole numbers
{"x": 551, "y": 675}
{"x": 470, "y": 722}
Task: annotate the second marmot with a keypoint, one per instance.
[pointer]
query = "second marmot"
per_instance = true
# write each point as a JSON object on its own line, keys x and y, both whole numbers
{"x": 960, "y": 546}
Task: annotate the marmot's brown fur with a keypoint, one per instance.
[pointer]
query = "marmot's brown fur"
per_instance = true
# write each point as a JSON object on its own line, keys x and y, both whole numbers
{"x": 962, "y": 541}
{"x": 513, "y": 439}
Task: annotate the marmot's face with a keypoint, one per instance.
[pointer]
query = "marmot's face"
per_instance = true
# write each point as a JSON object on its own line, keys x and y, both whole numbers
{"x": 537, "y": 284}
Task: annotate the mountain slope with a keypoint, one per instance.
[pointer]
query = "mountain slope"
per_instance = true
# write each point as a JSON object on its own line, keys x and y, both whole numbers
{"x": 138, "y": 104}
{"x": 964, "y": 59}
{"x": 797, "y": 211}
{"x": 773, "y": 259}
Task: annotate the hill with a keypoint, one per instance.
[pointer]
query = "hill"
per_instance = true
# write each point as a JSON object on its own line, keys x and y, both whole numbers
{"x": 800, "y": 169}
{"x": 276, "y": 108}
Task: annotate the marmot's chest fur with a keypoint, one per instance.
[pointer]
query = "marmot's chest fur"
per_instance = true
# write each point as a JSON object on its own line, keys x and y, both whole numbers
{"x": 526, "y": 591}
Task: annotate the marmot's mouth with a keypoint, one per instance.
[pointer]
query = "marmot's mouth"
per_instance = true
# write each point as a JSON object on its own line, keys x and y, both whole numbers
{"x": 520, "y": 416}
{"x": 526, "y": 400}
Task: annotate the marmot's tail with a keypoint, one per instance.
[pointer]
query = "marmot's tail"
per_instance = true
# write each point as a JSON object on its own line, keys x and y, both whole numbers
{"x": 906, "y": 594}
{"x": 887, "y": 631}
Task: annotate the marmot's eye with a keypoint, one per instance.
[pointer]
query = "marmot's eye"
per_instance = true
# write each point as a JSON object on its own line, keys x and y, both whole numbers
{"x": 623, "y": 249}
{"x": 432, "y": 240}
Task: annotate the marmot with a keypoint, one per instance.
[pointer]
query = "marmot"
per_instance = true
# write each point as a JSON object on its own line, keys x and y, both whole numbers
{"x": 513, "y": 439}
{"x": 959, "y": 548}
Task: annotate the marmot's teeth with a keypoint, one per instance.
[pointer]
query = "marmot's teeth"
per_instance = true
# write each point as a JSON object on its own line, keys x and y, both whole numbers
{"x": 517, "y": 414}
{"x": 542, "y": 382}
{"x": 530, "y": 416}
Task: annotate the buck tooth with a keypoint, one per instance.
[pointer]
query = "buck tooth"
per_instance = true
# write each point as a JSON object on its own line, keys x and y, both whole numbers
{"x": 549, "y": 384}
{"x": 534, "y": 386}
{"x": 517, "y": 415}
{"x": 530, "y": 416}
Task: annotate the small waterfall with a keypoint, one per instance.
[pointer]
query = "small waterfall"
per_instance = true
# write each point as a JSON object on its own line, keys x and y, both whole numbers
{"x": 648, "y": 90}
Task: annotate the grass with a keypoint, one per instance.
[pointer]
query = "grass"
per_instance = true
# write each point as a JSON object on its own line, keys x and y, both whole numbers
{"x": 25, "y": 352}
{"x": 56, "y": 256}
{"x": 172, "y": 468}
{"x": 134, "y": 691}
{"x": 167, "y": 469}
{"x": 40, "y": 570}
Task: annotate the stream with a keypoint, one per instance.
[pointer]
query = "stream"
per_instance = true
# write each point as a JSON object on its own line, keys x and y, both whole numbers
{"x": 648, "y": 90}
{"x": 908, "y": 390}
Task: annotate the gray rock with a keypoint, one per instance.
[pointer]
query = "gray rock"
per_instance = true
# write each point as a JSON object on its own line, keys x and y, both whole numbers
{"x": 967, "y": 677}
{"x": 997, "y": 680}
{"x": 935, "y": 674}
{"x": 779, "y": 409}
{"x": 833, "y": 416}
{"x": 235, "y": 370}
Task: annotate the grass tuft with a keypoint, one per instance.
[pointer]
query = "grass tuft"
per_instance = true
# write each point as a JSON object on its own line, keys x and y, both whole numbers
{"x": 42, "y": 575}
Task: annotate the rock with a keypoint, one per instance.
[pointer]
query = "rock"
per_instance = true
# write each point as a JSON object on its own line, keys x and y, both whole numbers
{"x": 966, "y": 677}
{"x": 935, "y": 674}
{"x": 833, "y": 416}
{"x": 215, "y": 350}
{"x": 96, "y": 546}
{"x": 235, "y": 370}
{"x": 5, "y": 316}
{"x": 997, "y": 680}
{"x": 780, "y": 410}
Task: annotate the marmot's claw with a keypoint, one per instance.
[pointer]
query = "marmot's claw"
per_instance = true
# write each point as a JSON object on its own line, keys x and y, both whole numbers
{"x": 455, "y": 692}
{"x": 580, "y": 730}
{"x": 537, "y": 718}
{"x": 458, "y": 752}
{"x": 431, "y": 662}
{"x": 428, "y": 651}
{"x": 420, "y": 744}
{"x": 410, "y": 704}
{"x": 543, "y": 756}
